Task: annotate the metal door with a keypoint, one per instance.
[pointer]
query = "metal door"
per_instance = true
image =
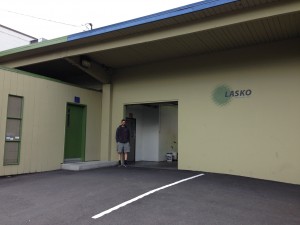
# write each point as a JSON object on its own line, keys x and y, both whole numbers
{"x": 131, "y": 124}
{"x": 75, "y": 133}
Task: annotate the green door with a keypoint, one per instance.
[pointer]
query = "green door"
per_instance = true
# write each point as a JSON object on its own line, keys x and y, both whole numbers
{"x": 75, "y": 132}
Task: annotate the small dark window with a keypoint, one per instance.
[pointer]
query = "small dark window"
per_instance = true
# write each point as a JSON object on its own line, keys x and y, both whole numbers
{"x": 13, "y": 130}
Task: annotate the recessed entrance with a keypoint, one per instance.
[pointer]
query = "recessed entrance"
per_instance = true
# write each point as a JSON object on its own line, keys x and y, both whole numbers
{"x": 154, "y": 133}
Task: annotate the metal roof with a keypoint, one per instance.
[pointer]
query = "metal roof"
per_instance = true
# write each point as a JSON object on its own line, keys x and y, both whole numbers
{"x": 191, "y": 8}
{"x": 200, "y": 28}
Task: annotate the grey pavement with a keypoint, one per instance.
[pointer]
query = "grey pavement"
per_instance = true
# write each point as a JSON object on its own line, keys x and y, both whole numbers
{"x": 72, "y": 198}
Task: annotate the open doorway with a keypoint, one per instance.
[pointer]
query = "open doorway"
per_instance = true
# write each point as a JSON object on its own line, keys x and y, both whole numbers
{"x": 154, "y": 134}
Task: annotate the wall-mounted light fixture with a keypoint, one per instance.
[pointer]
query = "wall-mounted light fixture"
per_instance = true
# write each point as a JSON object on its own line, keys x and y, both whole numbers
{"x": 85, "y": 62}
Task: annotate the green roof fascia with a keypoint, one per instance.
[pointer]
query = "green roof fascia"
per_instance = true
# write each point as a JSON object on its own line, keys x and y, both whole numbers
{"x": 34, "y": 46}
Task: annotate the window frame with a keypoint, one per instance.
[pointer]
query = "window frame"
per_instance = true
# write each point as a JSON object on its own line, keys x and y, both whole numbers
{"x": 7, "y": 137}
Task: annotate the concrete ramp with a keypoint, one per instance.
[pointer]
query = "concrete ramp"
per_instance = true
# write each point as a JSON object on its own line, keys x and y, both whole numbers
{"x": 78, "y": 166}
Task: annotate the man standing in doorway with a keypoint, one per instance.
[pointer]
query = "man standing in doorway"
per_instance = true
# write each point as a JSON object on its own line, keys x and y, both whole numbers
{"x": 122, "y": 138}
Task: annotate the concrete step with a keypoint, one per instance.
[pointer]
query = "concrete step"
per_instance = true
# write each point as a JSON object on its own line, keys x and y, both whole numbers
{"x": 78, "y": 166}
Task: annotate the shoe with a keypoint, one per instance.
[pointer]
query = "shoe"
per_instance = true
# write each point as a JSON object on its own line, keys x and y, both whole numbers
{"x": 119, "y": 164}
{"x": 124, "y": 165}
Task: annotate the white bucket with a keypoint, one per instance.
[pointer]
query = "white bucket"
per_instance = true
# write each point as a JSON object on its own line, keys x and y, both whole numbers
{"x": 169, "y": 157}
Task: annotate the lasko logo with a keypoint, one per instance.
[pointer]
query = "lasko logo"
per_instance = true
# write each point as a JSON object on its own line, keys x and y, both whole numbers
{"x": 223, "y": 94}
{"x": 219, "y": 97}
{"x": 238, "y": 93}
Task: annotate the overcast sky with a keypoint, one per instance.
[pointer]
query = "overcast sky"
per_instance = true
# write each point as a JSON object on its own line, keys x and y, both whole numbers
{"x": 33, "y": 17}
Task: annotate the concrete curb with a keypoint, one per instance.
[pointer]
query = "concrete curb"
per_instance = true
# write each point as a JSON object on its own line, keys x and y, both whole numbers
{"x": 78, "y": 166}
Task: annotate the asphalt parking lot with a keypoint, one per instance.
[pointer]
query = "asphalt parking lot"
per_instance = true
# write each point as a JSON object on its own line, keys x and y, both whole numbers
{"x": 74, "y": 198}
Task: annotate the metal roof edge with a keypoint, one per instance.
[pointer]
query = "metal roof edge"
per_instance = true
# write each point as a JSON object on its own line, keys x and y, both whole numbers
{"x": 33, "y": 46}
{"x": 198, "y": 6}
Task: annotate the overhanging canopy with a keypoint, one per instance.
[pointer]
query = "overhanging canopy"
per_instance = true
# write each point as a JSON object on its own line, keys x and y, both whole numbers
{"x": 89, "y": 58}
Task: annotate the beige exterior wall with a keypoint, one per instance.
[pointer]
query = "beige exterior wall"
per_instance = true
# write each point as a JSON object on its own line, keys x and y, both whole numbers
{"x": 255, "y": 136}
{"x": 43, "y": 124}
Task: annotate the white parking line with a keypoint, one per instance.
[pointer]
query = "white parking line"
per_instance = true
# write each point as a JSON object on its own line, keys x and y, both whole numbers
{"x": 142, "y": 196}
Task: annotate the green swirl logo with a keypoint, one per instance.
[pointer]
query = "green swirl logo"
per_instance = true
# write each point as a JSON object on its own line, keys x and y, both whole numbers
{"x": 219, "y": 95}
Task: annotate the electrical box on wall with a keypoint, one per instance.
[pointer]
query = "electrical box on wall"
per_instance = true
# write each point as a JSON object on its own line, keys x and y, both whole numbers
{"x": 77, "y": 99}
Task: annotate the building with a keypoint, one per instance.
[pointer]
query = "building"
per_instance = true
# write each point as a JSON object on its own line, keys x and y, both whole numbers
{"x": 216, "y": 81}
{"x": 10, "y": 38}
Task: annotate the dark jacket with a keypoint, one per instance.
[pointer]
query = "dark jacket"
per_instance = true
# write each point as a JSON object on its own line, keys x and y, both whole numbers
{"x": 122, "y": 134}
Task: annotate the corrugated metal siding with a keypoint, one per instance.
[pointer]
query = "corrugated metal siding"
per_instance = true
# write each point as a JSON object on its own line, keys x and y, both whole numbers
{"x": 43, "y": 122}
